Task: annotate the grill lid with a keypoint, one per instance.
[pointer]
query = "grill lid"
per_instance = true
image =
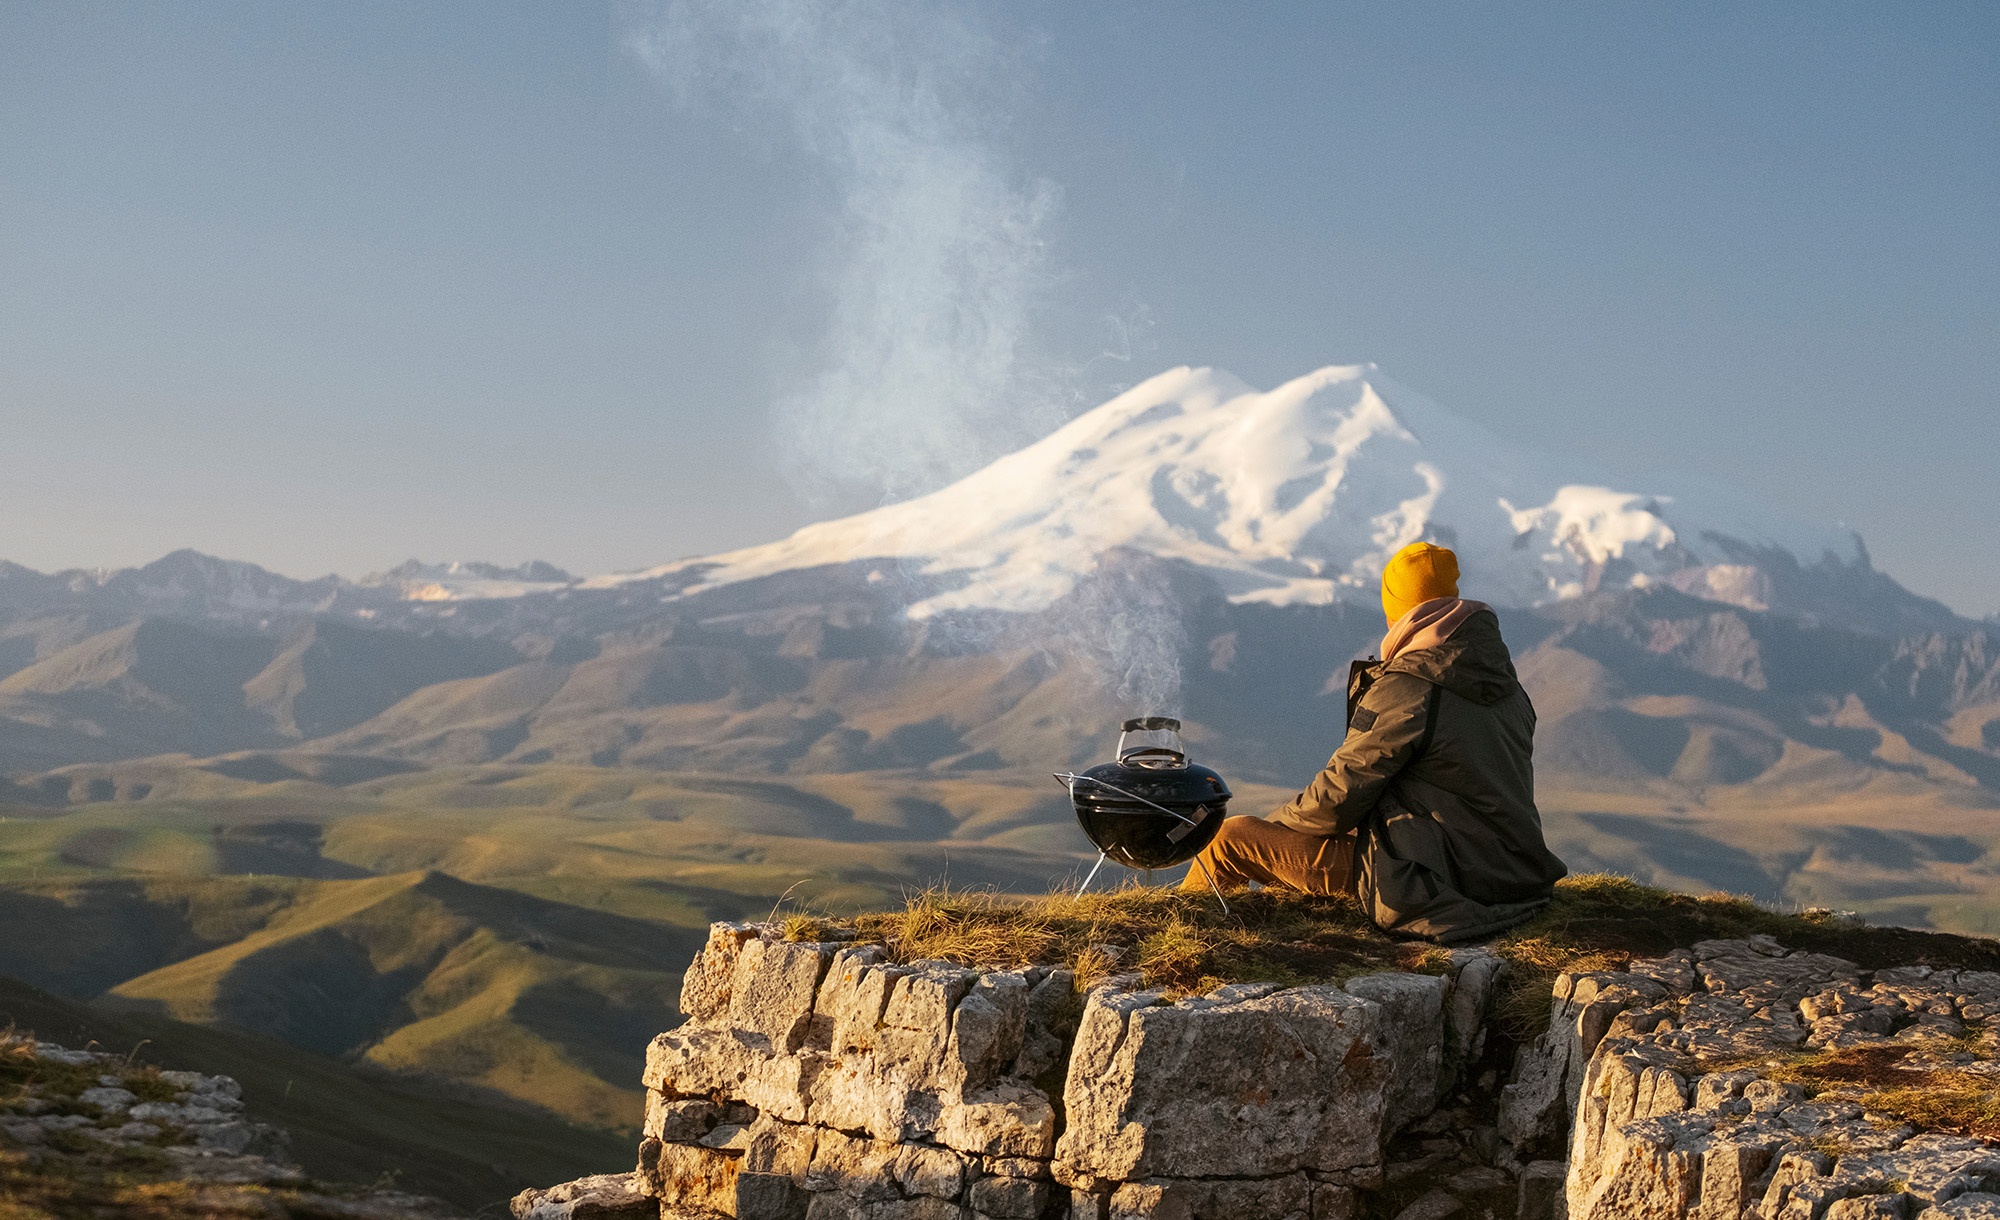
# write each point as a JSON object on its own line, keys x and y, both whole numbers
{"x": 1152, "y": 808}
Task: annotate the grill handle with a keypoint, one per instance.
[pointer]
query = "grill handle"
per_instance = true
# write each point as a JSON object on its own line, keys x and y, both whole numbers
{"x": 1151, "y": 741}
{"x": 1070, "y": 780}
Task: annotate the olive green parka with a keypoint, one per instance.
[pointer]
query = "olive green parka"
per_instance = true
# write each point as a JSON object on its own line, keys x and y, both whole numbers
{"x": 1436, "y": 778}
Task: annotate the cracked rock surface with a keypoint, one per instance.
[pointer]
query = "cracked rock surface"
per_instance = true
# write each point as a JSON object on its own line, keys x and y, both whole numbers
{"x": 70, "y": 1116}
{"x": 1709, "y": 1083}
{"x": 820, "y": 1081}
{"x": 828, "y": 1082}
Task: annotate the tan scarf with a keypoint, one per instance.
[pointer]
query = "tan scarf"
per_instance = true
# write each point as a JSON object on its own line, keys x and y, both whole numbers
{"x": 1428, "y": 624}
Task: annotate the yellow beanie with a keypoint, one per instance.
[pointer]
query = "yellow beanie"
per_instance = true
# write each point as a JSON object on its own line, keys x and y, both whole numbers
{"x": 1417, "y": 573}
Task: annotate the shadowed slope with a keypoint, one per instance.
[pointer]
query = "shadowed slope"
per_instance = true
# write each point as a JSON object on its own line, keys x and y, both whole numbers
{"x": 90, "y": 934}
{"x": 421, "y": 971}
{"x": 149, "y": 687}
{"x": 328, "y": 676}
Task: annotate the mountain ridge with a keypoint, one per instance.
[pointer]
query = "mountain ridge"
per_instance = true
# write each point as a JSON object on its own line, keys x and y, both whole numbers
{"x": 1295, "y": 495}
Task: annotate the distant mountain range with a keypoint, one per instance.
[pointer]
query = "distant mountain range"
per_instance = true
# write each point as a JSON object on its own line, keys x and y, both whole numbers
{"x": 1685, "y": 652}
{"x": 1292, "y": 497}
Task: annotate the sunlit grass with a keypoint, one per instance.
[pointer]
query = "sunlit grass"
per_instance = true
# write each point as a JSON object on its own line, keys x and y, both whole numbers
{"x": 1174, "y": 939}
{"x": 1599, "y": 921}
{"x": 1182, "y": 942}
{"x": 1940, "y": 1099}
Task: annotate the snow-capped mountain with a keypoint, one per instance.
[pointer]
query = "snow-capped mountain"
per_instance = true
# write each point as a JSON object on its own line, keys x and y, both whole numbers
{"x": 1298, "y": 495}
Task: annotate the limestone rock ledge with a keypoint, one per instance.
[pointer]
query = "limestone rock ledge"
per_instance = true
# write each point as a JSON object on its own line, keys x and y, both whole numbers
{"x": 825, "y": 1082}
{"x": 87, "y": 1137}
{"x": 814, "y": 1081}
{"x": 1663, "y": 1077}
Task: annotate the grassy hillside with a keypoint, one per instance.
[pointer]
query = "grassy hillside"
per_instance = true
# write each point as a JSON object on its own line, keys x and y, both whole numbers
{"x": 516, "y": 929}
{"x": 536, "y": 999}
{"x": 423, "y": 972}
{"x": 799, "y": 737}
{"x": 1812, "y": 829}
{"x": 144, "y": 688}
{"x": 348, "y": 1123}
{"x": 540, "y": 1000}
{"x": 92, "y": 932}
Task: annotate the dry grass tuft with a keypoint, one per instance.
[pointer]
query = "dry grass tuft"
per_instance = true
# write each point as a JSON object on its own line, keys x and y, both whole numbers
{"x": 1178, "y": 954}
{"x": 16, "y": 1047}
{"x": 22, "y": 1075}
{"x": 1177, "y": 940}
{"x": 1180, "y": 940}
{"x": 144, "y": 1081}
{"x": 804, "y": 928}
{"x": 1873, "y": 1066}
{"x": 1960, "y": 1102}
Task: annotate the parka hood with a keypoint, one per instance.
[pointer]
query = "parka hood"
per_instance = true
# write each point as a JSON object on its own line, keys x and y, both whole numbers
{"x": 1473, "y": 664}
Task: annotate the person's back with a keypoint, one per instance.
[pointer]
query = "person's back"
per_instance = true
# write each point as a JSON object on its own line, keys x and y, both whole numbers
{"x": 1453, "y": 849}
{"x": 1426, "y": 812}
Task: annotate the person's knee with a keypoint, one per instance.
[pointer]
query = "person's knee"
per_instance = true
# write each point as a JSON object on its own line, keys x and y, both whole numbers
{"x": 1236, "y": 844}
{"x": 1234, "y": 831}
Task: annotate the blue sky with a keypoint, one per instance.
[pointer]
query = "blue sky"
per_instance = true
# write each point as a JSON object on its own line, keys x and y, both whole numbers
{"x": 327, "y": 287}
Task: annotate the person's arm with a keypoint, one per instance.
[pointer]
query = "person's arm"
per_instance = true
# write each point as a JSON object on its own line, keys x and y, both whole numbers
{"x": 1383, "y": 737}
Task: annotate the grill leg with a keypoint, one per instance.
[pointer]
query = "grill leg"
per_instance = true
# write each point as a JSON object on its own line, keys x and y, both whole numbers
{"x": 1213, "y": 886}
{"x": 1093, "y": 873}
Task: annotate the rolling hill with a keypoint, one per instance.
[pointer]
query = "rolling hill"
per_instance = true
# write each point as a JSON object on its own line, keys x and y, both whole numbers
{"x": 517, "y": 931}
{"x": 467, "y": 982}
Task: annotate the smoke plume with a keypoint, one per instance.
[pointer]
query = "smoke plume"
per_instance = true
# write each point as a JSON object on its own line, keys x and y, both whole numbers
{"x": 941, "y": 255}
{"x": 928, "y": 369}
{"x": 1124, "y": 623}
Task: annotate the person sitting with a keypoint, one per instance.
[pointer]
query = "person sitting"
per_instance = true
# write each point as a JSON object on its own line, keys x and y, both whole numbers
{"x": 1426, "y": 813}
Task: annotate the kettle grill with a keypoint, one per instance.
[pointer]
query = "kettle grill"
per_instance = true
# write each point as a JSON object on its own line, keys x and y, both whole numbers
{"x": 1152, "y": 808}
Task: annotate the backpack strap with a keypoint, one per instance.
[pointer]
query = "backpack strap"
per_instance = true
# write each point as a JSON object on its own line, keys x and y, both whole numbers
{"x": 1360, "y": 677}
{"x": 1431, "y": 702}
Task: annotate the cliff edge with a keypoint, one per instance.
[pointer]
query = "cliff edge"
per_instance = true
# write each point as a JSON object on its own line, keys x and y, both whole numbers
{"x": 1736, "y": 1078}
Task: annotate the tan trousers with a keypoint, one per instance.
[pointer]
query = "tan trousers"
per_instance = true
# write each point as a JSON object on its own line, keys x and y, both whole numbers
{"x": 1250, "y": 849}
